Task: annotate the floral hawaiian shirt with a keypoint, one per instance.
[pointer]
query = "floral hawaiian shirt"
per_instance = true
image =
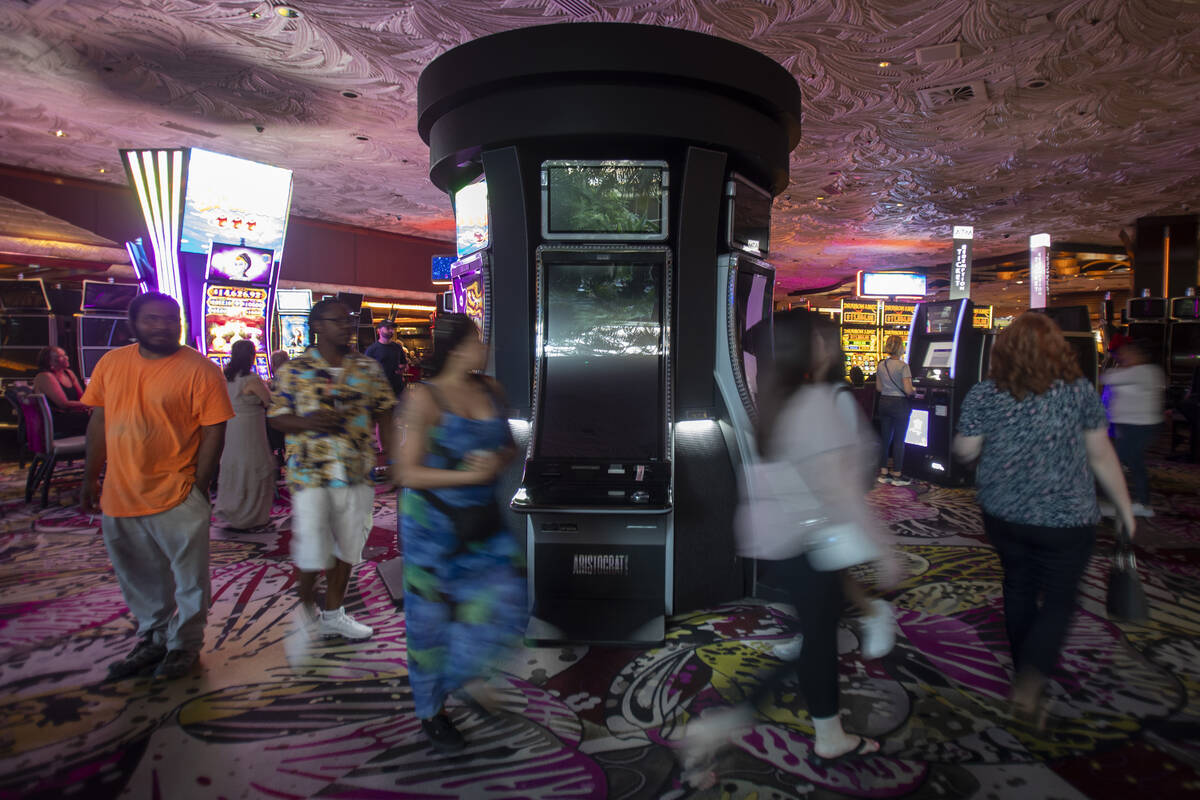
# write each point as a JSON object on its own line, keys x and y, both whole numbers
{"x": 357, "y": 391}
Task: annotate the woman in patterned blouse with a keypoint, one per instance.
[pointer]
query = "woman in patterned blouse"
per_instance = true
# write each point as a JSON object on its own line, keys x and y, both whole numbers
{"x": 1040, "y": 434}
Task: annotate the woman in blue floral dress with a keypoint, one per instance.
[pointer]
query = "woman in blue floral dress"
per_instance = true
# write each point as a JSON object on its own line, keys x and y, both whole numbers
{"x": 464, "y": 600}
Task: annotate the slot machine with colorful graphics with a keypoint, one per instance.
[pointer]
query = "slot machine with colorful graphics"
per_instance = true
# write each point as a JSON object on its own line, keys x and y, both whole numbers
{"x": 860, "y": 334}
{"x": 897, "y": 319}
{"x": 237, "y": 294}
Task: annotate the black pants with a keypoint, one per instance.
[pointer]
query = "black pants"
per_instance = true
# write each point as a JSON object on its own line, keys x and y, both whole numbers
{"x": 817, "y": 597}
{"x": 1042, "y": 570}
{"x": 893, "y": 425}
{"x": 1131, "y": 443}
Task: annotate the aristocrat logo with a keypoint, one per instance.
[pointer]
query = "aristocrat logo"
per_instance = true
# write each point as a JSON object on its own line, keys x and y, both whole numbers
{"x": 597, "y": 564}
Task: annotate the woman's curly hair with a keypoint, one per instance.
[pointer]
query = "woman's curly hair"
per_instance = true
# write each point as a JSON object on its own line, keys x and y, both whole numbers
{"x": 1030, "y": 355}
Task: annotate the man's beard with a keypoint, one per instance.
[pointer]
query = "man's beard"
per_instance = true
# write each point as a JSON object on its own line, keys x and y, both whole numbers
{"x": 162, "y": 350}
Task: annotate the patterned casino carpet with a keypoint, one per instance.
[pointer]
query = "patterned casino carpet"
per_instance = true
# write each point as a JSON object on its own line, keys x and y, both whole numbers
{"x": 582, "y": 723}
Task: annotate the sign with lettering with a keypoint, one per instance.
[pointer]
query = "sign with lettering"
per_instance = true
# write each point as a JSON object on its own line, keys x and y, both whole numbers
{"x": 982, "y": 318}
{"x": 960, "y": 265}
{"x": 858, "y": 313}
{"x": 898, "y": 314}
{"x": 1039, "y": 269}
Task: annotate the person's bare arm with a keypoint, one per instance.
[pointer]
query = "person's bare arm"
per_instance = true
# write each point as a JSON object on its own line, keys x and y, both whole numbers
{"x": 1102, "y": 458}
{"x": 420, "y": 412}
{"x": 256, "y": 387}
{"x": 908, "y": 386}
{"x": 48, "y": 385}
{"x": 967, "y": 448}
{"x": 93, "y": 465}
{"x": 212, "y": 442}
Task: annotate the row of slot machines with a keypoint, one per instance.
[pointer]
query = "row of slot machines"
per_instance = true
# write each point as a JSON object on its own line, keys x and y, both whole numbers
{"x": 867, "y": 324}
{"x": 1170, "y": 328}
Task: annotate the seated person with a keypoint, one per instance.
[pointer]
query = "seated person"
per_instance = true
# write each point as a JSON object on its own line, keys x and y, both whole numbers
{"x": 63, "y": 390}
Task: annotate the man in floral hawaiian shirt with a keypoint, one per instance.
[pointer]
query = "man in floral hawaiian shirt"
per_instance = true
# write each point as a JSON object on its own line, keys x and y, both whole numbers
{"x": 329, "y": 401}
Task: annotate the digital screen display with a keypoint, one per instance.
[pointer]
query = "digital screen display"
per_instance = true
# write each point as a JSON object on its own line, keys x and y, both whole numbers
{"x": 940, "y": 317}
{"x": 602, "y": 396}
{"x": 233, "y": 199}
{"x": 23, "y": 294}
{"x": 1146, "y": 308}
{"x": 440, "y": 268}
{"x": 232, "y": 313}
{"x": 918, "y": 428}
{"x": 469, "y": 297}
{"x": 753, "y": 306}
{"x": 940, "y": 355}
{"x": 22, "y": 331}
{"x": 1185, "y": 308}
{"x": 751, "y": 217}
{"x": 891, "y": 284}
{"x": 106, "y": 332}
{"x": 101, "y": 296}
{"x": 293, "y": 300}
{"x": 471, "y": 218}
{"x": 604, "y": 199}
{"x": 293, "y": 334}
{"x": 234, "y": 262}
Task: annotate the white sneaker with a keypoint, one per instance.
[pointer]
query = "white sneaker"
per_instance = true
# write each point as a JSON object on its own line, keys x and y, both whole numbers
{"x": 1140, "y": 510}
{"x": 789, "y": 650}
{"x": 299, "y": 639}
{"x": 339, "y": 623}
{"x": 878, "y": 631}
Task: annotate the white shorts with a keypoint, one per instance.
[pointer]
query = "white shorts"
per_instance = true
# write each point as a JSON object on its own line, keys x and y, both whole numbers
{"x": 330, "y": 522}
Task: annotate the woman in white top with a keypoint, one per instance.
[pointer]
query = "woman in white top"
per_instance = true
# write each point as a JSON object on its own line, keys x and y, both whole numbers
{"x": 1135, "y": 408}
{"x": 893, "y": 380}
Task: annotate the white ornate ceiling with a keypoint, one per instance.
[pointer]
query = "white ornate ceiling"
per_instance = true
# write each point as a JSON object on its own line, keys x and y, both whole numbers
{"x": 1072, "y": 118}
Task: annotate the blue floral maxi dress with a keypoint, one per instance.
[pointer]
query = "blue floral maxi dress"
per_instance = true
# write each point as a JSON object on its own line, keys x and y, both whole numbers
{"x": 463, "y": 606}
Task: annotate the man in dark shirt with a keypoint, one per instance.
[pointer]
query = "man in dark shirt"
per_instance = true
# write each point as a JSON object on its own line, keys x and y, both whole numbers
{"x": 390, "y": 355}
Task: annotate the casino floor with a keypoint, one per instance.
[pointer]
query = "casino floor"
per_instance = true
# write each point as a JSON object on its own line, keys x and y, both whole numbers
{"x": 598, "y": 722}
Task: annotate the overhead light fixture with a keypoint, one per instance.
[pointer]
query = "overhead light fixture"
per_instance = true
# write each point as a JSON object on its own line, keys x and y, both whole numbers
{"x": 103, "y": 170}
{"x": 60, "y": 133}
{"x": 287, "y": 12}
{"x": 885, "y": 63}
{"x": 820, "y": 197}
{"x": 350, "y": 93}
{"x": 255, "y": 15}
{"x": 362, "y": 137}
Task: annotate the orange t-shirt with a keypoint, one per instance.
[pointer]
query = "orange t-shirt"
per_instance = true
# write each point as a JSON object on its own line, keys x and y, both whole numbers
{"x": 153, "y": 412}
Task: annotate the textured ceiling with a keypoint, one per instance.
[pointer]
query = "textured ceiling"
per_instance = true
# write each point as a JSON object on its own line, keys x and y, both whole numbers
{"x": 1072, "y": 118}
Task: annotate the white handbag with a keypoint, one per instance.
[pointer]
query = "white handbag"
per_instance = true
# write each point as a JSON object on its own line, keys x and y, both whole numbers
{"x": 779, "y": 518}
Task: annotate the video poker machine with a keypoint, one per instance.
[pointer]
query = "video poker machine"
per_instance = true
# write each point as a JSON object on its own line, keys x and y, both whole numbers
{"x": 102, "y": 323}
{"x": 291, "y": 310}
{"x": 1183, "y": 348}
{"x": 1147, "y": 323}
{"x": 238, "y": 286}
{"x": 945, "y": 354}
{"x": 26, "y": 326}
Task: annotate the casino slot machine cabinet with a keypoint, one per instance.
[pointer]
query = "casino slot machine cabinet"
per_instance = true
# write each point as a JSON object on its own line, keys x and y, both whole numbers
{"x": 1184, "y": 345}
{"x": 291, "y": 308}
{"x": 237, "y": 302}
{"x": 897, "y": 320}
{"x": 102, "y": 323}
{"x": 860, "y": 334}
{"x": 945, "y": 354}
{"x": 471, "y": 274}
{"x": 1147, "y": 322}
{"x": 26, "y": 326}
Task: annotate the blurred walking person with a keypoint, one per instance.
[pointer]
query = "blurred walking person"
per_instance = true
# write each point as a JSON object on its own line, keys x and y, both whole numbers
{"x": 1038, "y": 429}
{"x": 463, "y": 599}
{"x": 803, "y": 433}
{"x": 1135, "y": 407}
{"x": 246, "y": 482}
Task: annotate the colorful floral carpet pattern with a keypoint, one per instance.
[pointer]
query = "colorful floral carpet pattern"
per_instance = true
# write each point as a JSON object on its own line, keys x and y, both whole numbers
{"x": 580, "y": 722}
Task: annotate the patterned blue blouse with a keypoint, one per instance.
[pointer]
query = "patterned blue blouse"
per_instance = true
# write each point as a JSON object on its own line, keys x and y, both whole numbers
{"x": 1034, "y": 468}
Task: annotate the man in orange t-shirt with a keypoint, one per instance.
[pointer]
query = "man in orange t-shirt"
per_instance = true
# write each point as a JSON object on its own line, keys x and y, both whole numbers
{"x": 159, "y": 423}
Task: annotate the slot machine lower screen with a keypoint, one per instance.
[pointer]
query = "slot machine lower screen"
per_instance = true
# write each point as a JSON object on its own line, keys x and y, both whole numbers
{"x": 232, "y": 313}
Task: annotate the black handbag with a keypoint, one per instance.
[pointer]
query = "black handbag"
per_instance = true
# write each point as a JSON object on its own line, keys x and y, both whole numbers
{"x": 1126, "y": 597}
{"x": 471, "y": 523}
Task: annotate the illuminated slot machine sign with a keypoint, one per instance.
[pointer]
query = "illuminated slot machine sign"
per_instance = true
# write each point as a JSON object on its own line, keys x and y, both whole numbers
{"x": 292, "y": 306}
{"x": 897, "y": 319}
{"x": 236, "y": 293}
{"x": 981, "y": 318}
{"x": 860, "y": 334}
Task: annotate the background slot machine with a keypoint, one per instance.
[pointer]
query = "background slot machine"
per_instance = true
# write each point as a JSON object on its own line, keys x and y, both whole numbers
{"x": 237, "y": 295}
{"x": 291, "y": 308}
{"x": 1184, "y": 345}
{"x": 981, "y": 318}
{"x": 26, "y": 326}
{"x": 1147, "y": 317}
{"x": 102, "y": 323}
{"x": 897, "y": 319}
{"x": 471, "y": 274}
{"x": 860, "y": 334}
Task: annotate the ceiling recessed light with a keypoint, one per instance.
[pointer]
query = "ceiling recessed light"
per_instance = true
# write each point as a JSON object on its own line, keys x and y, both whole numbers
{"x": 1036, "y": 83}
{"x": 885, "y": 63}
{"x": 362, "y": 137}
{"x": 103, "y": 170}
{"x": 61, "y": 134}
{"x": 820, "y": 197}
{"x": 255, "y": 15}
{"x": 287, "y": 12}
{"x": 350, "y": 93}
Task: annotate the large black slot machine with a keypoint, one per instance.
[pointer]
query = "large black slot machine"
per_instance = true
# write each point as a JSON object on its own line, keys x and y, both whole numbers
{"x": 1184, "y": 346}
{"x": 237, "y": 302}
{"x": 292, "y": 307}
{"x": 945, "y": 354}
{"x": 597, "y": 486}
{"x": 1147, "y": 323}
{"x": 1075, "y": 322}
{"x": 102, "y": 323}
{"x": 745, "y": 336}
{"x": 26, "y": 326}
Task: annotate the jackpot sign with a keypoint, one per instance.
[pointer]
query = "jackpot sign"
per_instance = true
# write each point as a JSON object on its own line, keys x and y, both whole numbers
{"x": 232, "y": 313}
{"x": 860, "y": 313}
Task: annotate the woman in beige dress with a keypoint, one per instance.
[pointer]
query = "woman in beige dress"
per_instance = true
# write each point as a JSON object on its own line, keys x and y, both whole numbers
{"x": 246, "y": 486}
